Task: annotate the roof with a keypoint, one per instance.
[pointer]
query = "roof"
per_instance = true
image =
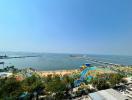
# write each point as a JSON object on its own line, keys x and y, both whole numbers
{"x": 87, "y": 64}
{"x": 5, "y": 74}
{"x": 109, "y": 94}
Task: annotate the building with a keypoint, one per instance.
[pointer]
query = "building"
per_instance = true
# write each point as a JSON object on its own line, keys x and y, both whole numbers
{"x": 5, "y": 74}
{"x": 109, "y": 94}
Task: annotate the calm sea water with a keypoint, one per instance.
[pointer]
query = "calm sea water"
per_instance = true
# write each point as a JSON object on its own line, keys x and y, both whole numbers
{"x": 59, "y": 61}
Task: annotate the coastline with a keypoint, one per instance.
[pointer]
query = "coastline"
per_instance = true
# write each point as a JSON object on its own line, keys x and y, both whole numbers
{"x": 57, "y": 72}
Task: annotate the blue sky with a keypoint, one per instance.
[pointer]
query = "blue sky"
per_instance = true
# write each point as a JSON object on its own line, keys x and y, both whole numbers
{"x": 66, "y": 26}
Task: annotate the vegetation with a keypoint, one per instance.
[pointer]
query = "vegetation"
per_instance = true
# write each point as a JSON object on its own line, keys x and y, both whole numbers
{"x": 12, "y": 88}
{"x": 9, "y": 88}
{"x": 124, "y": 70}
{"x": 53, "y": 86}
{"x": 107, "y": 80}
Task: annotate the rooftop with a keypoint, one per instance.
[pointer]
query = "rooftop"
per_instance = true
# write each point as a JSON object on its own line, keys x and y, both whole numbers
{"x": 5, "y": 74}
{"x": 109, "y": 94}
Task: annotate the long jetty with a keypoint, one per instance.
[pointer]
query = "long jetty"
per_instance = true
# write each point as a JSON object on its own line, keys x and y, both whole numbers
{"x": 94, "y": 60}
{"x": 7, "y": 57}
{"x": 2, "y": 63}
{"x": 101, "y": 62}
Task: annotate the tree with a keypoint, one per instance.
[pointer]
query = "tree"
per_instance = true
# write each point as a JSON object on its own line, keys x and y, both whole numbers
{"x": 30, "y": 84}
{"x": 100, "y": 84}
{"x": 55, "y": 85}
{"x": 115, "y": 78}
{"x": 9, "y": 88}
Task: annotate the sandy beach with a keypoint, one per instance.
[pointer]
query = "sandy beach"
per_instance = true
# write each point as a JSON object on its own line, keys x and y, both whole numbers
{"x": 70, "y": 72}
{"x": 57, "y": 72}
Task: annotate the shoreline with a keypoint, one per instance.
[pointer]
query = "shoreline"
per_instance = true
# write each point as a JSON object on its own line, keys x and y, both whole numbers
{"x": 56, "y": 72}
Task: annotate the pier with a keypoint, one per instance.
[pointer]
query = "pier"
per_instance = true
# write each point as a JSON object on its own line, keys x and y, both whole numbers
{"x": 7, "y": 57}
{"x": 95, "y": 61}
{"x": 101, "y": 62}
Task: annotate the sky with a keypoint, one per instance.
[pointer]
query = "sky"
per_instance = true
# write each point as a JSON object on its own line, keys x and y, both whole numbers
{"x": 66, "y": 26}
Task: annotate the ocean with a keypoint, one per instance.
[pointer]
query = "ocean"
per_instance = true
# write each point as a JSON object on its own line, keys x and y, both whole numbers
{"x": 52, "y": 61}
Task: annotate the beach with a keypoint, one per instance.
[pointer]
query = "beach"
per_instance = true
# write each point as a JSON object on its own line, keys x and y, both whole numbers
{"x": 57, "y": 72}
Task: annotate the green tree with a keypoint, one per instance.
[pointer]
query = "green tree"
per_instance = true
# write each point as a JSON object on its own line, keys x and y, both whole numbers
{"x": 115, "y": 78}
{"x": 32, "y": 83}
{"x": 55, "y": 85}
{"x": 9, "y": 88}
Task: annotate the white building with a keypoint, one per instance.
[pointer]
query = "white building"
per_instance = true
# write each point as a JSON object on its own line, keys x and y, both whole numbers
{"x": 5, "y": 74}
{"x": 109, "y": 94}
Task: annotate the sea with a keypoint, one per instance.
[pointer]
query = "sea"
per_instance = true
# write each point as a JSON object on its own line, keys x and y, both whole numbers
{"x": 54, "y": 61}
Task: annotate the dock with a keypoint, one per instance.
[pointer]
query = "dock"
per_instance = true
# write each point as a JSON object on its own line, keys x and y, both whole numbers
{"x": 101, "y": 62}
